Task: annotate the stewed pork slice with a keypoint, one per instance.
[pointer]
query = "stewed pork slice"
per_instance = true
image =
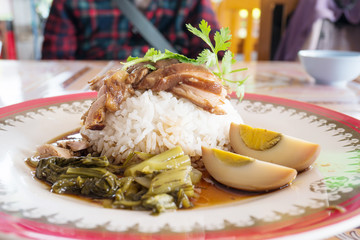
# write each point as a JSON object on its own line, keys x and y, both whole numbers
{"x": 77, "y": 145}
{"x": 97, "y": 82}
{"x": 117, "y": 90}
{"x": 94, "y": 118}
{"x": 194, "y": 79}
{"x": 165, "y": 62}
{"x": 166, "y": 78}
{"x": 48, "y": 150}
{"x": 113, "y": 91}
{"x": 138, "y": 71}
{"x": 208, "y": 101}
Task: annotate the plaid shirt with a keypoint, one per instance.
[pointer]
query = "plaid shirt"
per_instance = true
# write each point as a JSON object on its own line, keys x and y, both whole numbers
{"x": 96, "y": 29}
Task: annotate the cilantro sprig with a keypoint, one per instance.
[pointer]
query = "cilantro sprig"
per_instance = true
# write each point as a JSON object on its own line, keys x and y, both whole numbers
{"x": 153, "y": 55}
{"x": 208, "y": 57}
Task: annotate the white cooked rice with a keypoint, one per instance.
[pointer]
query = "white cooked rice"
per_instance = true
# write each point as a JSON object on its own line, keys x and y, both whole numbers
{"x": 154, "y": 122}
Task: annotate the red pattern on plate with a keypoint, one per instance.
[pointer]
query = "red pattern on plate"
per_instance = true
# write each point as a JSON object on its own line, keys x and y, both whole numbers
{"x": 41, "y": 102}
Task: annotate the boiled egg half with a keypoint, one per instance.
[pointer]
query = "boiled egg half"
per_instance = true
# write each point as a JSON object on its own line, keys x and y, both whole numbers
{"x": 244, "y": 172}
{"x": 273, "y": 147}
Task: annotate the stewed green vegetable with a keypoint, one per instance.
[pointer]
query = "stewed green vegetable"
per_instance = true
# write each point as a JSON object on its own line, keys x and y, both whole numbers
{"x": 87, "y": 175}
{"x": 157, "y": 183}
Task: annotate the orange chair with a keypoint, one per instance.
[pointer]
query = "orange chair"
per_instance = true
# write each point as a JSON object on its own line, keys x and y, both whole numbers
{"x": 266, "y": 24}
{"x": 228, "y": 14}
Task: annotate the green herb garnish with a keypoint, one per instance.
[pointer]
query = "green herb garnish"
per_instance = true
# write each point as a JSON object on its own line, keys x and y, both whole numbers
{"x": 208, "y": 57}
{"x": 153, "y": 55}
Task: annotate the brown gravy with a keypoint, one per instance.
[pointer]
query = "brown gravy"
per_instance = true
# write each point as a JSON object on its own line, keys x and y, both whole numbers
{"x": 213, "y": 193}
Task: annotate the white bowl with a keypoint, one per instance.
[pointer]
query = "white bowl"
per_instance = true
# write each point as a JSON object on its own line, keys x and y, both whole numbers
{"x": 331, "y": 67}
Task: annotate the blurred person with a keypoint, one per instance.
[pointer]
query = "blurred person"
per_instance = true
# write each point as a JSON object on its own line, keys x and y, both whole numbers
{"x": 97, "y": 29}
{"x": 339, "y": 29}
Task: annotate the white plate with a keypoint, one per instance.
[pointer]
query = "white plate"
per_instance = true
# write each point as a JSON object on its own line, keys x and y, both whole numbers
{"x": 303, "y": 210}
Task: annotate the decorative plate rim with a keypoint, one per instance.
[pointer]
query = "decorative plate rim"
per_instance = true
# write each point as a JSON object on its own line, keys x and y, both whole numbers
{"x": 13, "y": 224}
